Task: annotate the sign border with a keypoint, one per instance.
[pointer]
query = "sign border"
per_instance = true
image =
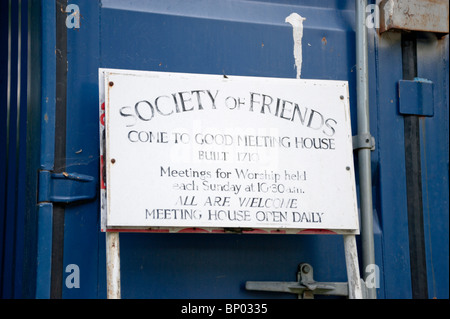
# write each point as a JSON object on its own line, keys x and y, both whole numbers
{"x": 105, "y": 162}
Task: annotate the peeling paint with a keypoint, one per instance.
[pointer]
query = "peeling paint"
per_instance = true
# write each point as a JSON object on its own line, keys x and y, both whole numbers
{"x": 113, "y": 265}
{"x": 296, "y": 21}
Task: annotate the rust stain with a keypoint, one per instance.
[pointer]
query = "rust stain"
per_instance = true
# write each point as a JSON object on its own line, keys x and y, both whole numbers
{"x": 423, "y": 15}
{"x": 324, "y": 41}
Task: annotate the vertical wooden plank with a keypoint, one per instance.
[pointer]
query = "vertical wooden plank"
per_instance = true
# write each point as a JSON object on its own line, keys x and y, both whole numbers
{"x": 351, "y": 260}
{"x": 113, "y": 265}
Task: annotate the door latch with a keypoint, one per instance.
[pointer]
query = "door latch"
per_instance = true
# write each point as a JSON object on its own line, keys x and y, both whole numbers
{"x": 305, "y": 286}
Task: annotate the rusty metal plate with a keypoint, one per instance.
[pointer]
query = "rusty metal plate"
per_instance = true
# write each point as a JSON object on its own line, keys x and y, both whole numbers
{"x": 414, "y": 15}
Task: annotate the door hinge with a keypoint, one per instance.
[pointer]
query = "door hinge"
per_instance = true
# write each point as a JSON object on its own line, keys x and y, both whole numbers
{"x": 65, "y": 187}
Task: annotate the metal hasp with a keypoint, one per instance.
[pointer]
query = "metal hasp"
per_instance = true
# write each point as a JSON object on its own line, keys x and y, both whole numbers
{"x": 305, "y": 286}
{"x": 414, "y": 15}
{"x": 65, "y": 187}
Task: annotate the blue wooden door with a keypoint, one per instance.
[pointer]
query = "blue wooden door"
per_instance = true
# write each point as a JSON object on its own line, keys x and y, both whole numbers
{"x": 232, "y": 37}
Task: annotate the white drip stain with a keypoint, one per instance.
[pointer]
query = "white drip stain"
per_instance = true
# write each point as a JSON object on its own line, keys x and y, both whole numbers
{"x": 296, "y": 21}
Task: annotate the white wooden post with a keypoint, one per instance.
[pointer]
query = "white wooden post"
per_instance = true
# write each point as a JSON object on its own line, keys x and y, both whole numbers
{"x": 351, "y": 260}
{"x": 112, "y": 265}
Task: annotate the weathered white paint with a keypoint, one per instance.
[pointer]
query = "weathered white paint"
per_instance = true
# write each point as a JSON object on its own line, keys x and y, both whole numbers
{"x": 112, "y": 265}
{"x": 351, "y": 260}
{"x": 296, "y": 21}
{"x": 388, "y": 11}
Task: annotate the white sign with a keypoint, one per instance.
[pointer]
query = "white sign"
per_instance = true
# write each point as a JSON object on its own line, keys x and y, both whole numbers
{"x": 190, "y": 151}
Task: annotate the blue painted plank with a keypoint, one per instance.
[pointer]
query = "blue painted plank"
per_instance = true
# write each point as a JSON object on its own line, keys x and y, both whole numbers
{"x": 433, "y": 64}
{"x": 81, "y": 245}
{"x": 391, "y": 182}
{"x": 44, "y": 251}
{"x": 48, "y": 85}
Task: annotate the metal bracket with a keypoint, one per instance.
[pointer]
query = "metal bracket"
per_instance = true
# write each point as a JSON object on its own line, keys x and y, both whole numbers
{"x": 364, "y": 140}
{"x": 416, "y": 97}
{"x": 414, "y": 15}
{"x": 65, "y": 187}
{"x": 305, "y": 286}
